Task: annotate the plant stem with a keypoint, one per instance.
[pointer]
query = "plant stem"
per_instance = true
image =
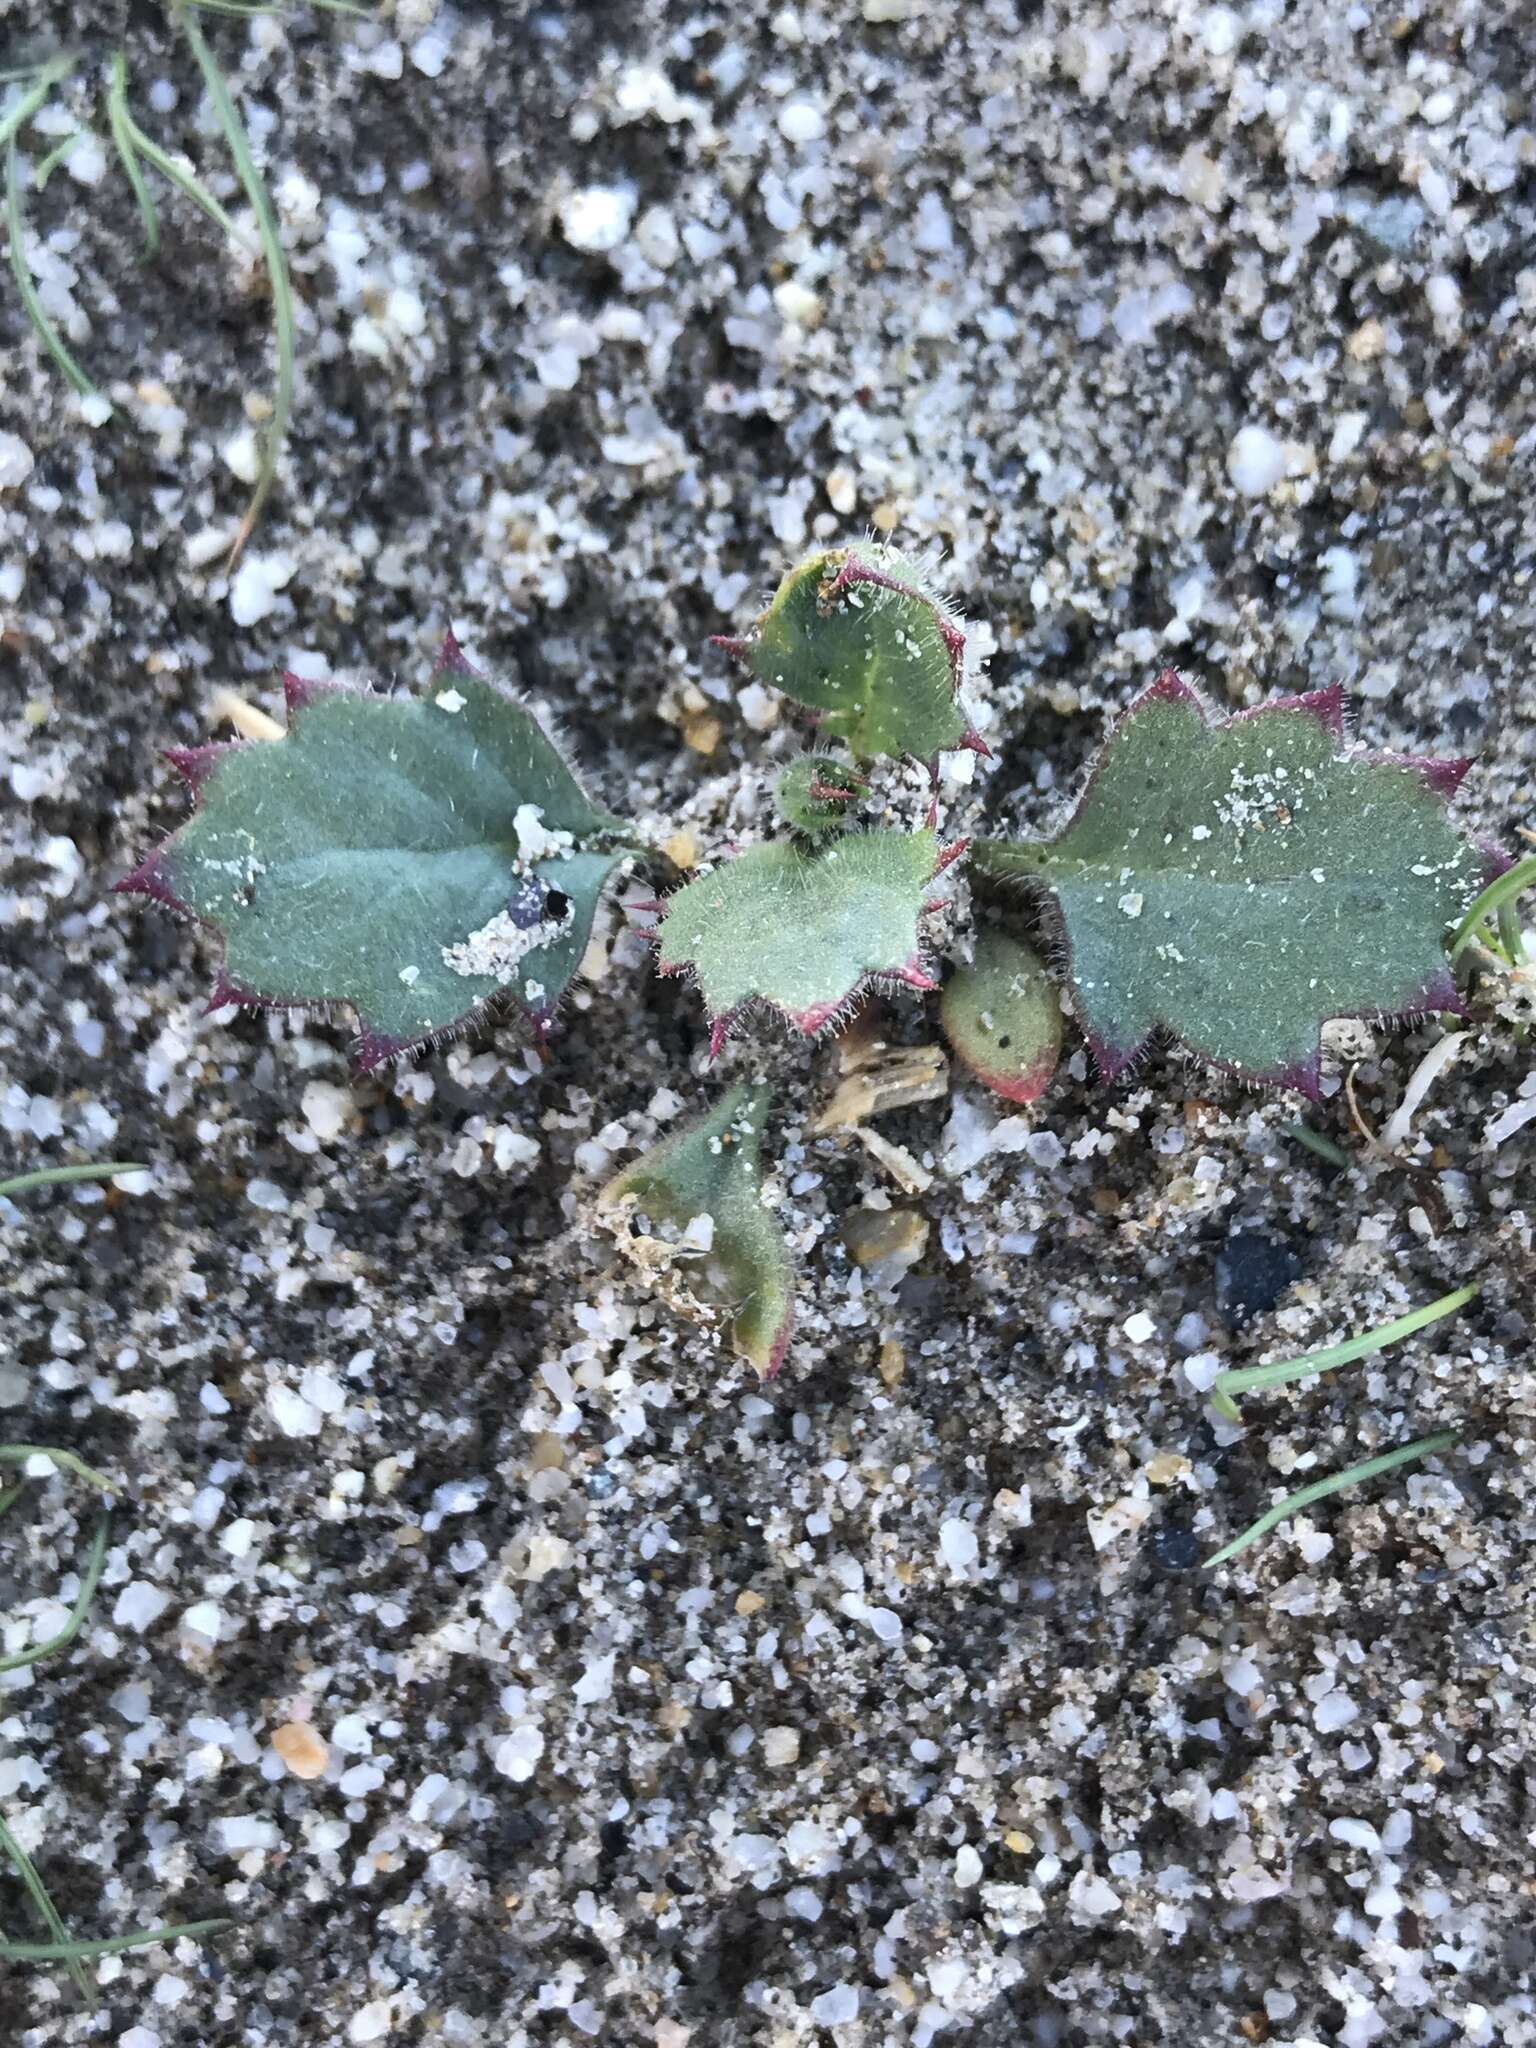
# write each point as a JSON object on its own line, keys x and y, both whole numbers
{"x": 1368, "y": 1468}
{"x": 121, "y": 123}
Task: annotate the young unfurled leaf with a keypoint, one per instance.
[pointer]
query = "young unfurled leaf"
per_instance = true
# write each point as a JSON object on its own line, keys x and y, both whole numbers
{"x": 1238, "y": 883}
{"x": 803, "y": 929}
{"x": 724, "y": 1260}
{"x": 817, "y": 794}
{"x": 409, "y": 857}
{"x": 1002, "y": 1016}
{"x": 855, "y": 634}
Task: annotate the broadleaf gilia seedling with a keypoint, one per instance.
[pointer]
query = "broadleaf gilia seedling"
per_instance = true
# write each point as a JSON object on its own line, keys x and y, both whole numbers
{"x": 1233, "y": 883}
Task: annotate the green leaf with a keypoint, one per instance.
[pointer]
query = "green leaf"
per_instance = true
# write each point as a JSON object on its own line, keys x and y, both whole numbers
{"x": 803, "y": 929}
{"x": 410, "y": 857}
{"x": 733, "y": 1269}
{"x": 856, "y": 634}
{"x": 1239, "y": 883}
{"x": 1003, "y": 1017}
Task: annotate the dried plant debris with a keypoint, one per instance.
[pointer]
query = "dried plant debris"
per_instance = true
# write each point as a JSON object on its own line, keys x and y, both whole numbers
{"x": 713, "y": 1249}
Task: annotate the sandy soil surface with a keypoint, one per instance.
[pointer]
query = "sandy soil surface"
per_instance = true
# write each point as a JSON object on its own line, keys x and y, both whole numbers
{"x": 508, "y": 1665}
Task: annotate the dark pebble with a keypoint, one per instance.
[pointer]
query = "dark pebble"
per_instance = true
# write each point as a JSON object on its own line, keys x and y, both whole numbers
{"x": 1252, "y": 1272}
{"x": 1176, "y": 1547}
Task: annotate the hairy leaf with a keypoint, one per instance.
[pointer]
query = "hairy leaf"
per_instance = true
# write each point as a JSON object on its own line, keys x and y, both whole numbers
{"x": 802, "y": 928}
{"x": 409, "y": 857}
{"x": 817, "y": 794}
{"x": 726, "y": 1259}
{"x": 1238, "y": 883}
{"x": 855, "y": 634}
{"x": 1002, "y": 1016}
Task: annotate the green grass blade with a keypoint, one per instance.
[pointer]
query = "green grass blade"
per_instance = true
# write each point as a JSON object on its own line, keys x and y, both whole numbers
{"x": 184, "y": 181}
{"x": 61, "y": 151}
{"x": 66, "y": 1461}
{"x": 1502, "y": 890}
{"x": 276, "y": 262}
{"x": 46, "y": 332}
{"x": 62, "y": 1948}
{"x": 248, "y": 8}
{"x": 1316, "y": 1141}
{"x": 121, "y": 124}
{"x": 114, "y": 1945}
{"x": 47, "y": 1912}
{"x": 1353, "y": 1475}
{"x": 1285, "y": 1370}
{"x": 44, "y": 79}
{"x": 58, "y": 1176}
{"x": 94, "y": 1565}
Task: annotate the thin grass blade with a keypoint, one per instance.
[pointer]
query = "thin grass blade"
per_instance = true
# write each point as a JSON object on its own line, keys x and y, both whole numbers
{"x": 44, "y": 78}
{"x": 1286, "y": 1370}
{"x": 60, "y": 1176}
{"x": 114, "y": 1945}
{"x": 276, "y": 262}
{"x": 47, "y": 1912}
{"x": 1318, "y": 1142}
{"x": 1501, "y": 890}
{"x": 94, "y": 1565}
{"x": 44, "y": 328}
{"x": 60, "y": 153}
{"x": 66, "y": 1461}
{"x": 1352, "y": 1475}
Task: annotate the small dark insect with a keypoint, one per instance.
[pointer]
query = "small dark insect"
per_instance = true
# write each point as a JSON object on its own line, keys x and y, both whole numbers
{"x": 529, "y": 902}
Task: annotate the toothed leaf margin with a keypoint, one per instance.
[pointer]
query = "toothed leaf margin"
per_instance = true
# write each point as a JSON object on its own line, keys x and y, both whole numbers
{"x": 857, "y": 636}
{"x": 1237, "y": 882}
{"x": 803, "y": 929}
{"x": 411, "y": 858}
